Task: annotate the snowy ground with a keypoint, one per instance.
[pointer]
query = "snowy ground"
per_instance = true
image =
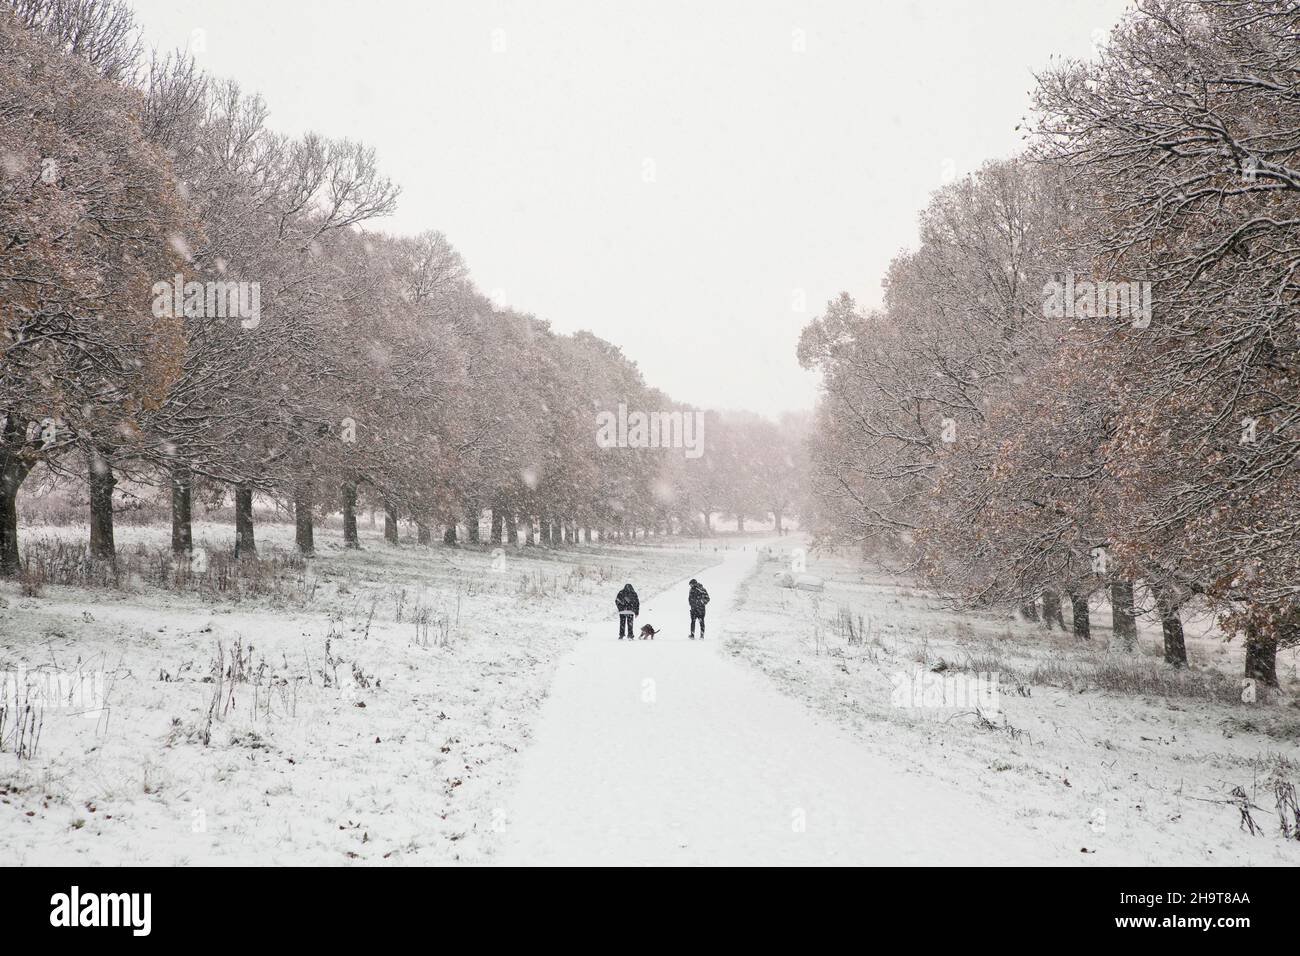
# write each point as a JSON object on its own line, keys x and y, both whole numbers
{"x": 397, "y": 744}
{"x": 669, "y": 752}
{"x": 432, "y": 705}
{"x": 1092, "y": 759}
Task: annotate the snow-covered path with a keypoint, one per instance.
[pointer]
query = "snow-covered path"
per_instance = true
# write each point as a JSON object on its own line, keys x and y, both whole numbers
{"x": 669, "y": 752}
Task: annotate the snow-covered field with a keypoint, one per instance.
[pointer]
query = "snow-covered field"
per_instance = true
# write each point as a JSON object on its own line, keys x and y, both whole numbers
{"x": 1098, "y": 758}
{"x": 383, "y": 698}
{"x": 419, "y": 705}
{"x": 672, "y": 753}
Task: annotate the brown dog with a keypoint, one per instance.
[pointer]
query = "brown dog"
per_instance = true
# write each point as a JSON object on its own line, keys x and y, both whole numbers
{"x": 648, "y": 631}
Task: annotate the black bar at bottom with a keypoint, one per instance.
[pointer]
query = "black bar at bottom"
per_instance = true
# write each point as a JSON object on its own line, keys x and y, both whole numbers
{"x": 338, "y": 905}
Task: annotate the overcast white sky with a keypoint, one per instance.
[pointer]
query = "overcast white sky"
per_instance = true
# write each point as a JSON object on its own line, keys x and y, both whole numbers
{"x": 527, "y": 131}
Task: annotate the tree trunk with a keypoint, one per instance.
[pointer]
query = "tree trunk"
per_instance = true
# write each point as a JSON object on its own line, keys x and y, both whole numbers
{"x": 1123, "y": 621}
{"x": 740, "y": 524}
{"x": 531, "y": 525}
{"x": 1079, "y": 616}
{"x": 422, "y": 533}
{"x": 546, "y": 530}
{"x": 102, "y": 481}
{"x": 11, "y": 476}
{"x": 351, "y": 539}
{"x": 472, "y": 518}
{"x": 245, "y": 546}
{"x": 708, "y": 522}
{"x": 1052, "y": 609}
{"x": 303, "y": 532}
{"x": 449, "y": 533}
{"x": 776, "y": 518}
{"x": 12, "y": 473}
{"x": 182, "y": 510}
{"x": 390, "y": 521}
{"x": 512, "y": 528}
{"x": 498, "y": 535}
{"x": 1261, "y": 656}
{"x": 1029, "y": 611}
{"x": 1172, "y": 626}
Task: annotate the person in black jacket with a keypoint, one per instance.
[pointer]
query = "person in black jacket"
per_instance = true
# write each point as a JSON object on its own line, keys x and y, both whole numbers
{"x": 697, "y": 599}
{"x": 629, "y": 606}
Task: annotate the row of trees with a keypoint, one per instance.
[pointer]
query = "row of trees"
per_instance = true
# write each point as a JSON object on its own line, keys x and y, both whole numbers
{"x": 193, "y": 300}
{"x": 1085, "y": 377}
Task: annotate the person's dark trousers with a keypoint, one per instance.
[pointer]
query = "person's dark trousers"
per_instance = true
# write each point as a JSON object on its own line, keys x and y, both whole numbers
{"x": 700, "y": 616}
{"x": 624, "y": 624}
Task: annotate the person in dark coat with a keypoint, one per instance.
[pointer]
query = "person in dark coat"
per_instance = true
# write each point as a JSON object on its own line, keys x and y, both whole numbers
{"x": 629, "y": 606}
{"x": 697, "y": 599}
